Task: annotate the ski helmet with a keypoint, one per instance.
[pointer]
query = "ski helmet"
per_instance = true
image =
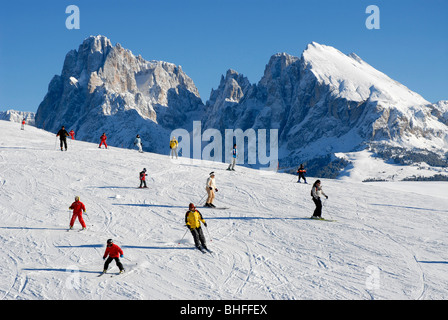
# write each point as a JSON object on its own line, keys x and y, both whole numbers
{"x": 191, "y": 206}
{"x": 110, "y": 241}
{"x": 77, "y": 198}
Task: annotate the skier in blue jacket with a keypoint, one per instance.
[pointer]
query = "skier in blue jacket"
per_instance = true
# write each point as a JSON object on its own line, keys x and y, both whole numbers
{"x": 234, "y": 156}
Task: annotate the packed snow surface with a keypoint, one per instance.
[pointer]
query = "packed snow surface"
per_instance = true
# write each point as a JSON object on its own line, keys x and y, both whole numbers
{"x": 388, "y": 240}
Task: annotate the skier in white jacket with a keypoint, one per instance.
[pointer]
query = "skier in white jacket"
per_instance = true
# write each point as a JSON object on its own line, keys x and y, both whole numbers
{"x": 138, "y": 143}
{"x": 316, "y": 193}
{"x": 211, "y": 189}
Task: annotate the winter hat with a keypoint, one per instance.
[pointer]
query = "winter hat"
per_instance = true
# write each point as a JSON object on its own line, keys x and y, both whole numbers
{"x": 77, "y": 198}
{"x": 212, "y": 173}
{"x": 191, "y": 206}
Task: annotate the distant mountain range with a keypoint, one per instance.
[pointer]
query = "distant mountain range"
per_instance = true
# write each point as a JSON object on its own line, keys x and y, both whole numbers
{"x": 18, "y": 116}
{"x": 322, "y": 104}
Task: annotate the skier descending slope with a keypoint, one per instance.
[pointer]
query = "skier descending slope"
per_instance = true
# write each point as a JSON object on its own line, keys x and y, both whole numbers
{"x": 173, "y": 146}
{"x": 316, "y": 192}
{"x": 63, "y": 134}
{"x": 103, "y": 140}
{"x": 78, "y": 207}
{"x": 143, "y": 178}
{"x": 115, "y": 253}
{"x": 138, "y": 143}
{"x": 193, "y": 219}
{"x": 211, "y": 188}
{"x": 301, "y": 171}
{"x": 234, "y": 156}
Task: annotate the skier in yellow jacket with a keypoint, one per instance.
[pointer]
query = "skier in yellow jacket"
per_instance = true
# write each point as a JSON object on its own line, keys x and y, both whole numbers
{"x": 173, "y": 147}
{"x": 193, "y": 219}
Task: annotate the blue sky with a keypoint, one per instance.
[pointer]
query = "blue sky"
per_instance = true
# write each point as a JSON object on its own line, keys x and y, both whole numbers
{"x": 208, "y": 37}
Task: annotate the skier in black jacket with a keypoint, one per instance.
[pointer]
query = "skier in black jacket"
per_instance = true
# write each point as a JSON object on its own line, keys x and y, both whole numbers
{"x": 63, "y": 134}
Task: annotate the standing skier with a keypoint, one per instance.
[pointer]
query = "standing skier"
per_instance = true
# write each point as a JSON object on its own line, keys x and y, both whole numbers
{"x": 115, "y": 253}
{"x": 78, "y": 208}
{"x": 143, "y": 178}
{"x": 138, "y": 143}
{"x": 173, "y": 147}
{"x": 193, "y": 219}
{"x": 301, "y": 171}
{"x": 23, "y": 124}
{"x": 63, "y": 134}
{"x": 316, "y": 192}
{"x": 72, "y": 134}
{"x": 234, "y": 156}
{"x": 211, "y": 189}
{"x": 103, "y": 140}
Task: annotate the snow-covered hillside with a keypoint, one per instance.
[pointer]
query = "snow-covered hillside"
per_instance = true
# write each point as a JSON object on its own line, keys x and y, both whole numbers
{"x": 388, "y": 241}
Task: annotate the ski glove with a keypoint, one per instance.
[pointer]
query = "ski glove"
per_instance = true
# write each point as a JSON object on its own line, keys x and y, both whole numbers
{"x": 121, "y": 256}
{"x": 205, "y": 224}
{"x": 216, "y": 189}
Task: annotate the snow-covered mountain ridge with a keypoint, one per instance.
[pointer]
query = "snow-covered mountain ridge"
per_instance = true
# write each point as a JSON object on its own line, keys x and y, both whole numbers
{"x": 326, "y": 103}
{"x": 323, "y": 103}
{"x": 388, "y": 241}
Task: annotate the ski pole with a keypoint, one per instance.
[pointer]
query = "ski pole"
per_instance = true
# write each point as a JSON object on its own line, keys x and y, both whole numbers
{"x": 202, "y": 198}
{"x": 323, "y": 205}
{"x": 208, "y": 233}
{"x": 183, "y": 236}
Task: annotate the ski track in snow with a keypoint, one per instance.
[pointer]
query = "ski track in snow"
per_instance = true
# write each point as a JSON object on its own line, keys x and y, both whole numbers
{"x": 265, "y": 246}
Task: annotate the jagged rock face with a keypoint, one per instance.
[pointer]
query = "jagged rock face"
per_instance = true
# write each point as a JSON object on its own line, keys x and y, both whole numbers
{"x": 105, "y": 88}
{"x": 440, "y": 111}
{"x": 326, "y": 102}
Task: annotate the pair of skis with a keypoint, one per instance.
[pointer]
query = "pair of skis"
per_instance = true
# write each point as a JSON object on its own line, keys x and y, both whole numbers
{"x": 80, "y": 230}
{"x": 114, "y": 274}
{"x": 322, "y": 219}
{"x": 205, "y": 251}
{"x": 217, "y": 208}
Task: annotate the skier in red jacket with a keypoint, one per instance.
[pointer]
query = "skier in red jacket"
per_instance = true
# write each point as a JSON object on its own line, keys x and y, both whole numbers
{"x": 78, "y": 208}
{"x": 143, "y": 178}
{"x": 103, "y": 140}
{"x": 115, "y": 253}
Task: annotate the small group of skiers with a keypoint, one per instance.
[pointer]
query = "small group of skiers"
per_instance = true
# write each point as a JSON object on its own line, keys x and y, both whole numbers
{"x": 63, "y": 134}
{"x": 193, "y": 218}
{"x": 113, "y": 252}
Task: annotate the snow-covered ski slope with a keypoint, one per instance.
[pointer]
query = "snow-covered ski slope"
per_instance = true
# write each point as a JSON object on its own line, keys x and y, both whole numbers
{"x": 389, "y": 241}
